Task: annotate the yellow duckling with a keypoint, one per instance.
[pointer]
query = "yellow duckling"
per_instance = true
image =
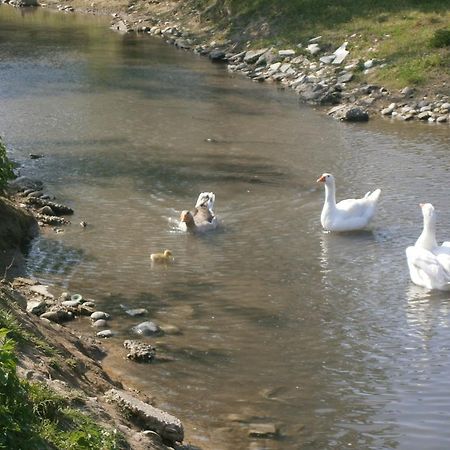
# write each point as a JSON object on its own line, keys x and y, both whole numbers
{"x": 162, "y": 258}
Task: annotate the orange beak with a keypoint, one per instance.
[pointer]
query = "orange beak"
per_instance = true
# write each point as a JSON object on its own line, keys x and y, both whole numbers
{"x": 321, "y": 179}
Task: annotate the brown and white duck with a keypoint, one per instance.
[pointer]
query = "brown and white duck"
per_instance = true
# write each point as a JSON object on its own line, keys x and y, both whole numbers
{"x": 202, "y": 218}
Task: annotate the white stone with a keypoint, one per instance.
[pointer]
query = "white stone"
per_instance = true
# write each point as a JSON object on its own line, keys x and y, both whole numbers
{"x": 315, "y": 39}
{"x": 313, "y": 49}
{"x": 275, "y": 66}
{"x": 287, "y": 52}
{"x": 341, "y": 53}
{"x": 41, "y": 290}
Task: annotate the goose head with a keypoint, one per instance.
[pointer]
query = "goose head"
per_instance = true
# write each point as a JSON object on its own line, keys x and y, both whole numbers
{"x": 428, "y": 211}
{"x": 427, "y": 239}
{"x": 326, "y": 178}
{"x": 167, "y": 254}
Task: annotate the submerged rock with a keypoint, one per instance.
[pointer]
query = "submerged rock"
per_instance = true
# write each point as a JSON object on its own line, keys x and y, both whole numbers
{"x": 148, "y": 417}
{"x": 136, "y": 312}
{"x": 100, "y": 315}
{"x": 138, "y": 351}
{"x": 146, "y": 329}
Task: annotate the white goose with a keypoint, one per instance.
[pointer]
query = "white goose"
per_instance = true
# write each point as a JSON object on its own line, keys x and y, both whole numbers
{"x": 429, "y": 263}
{"x": 347, "y": 215}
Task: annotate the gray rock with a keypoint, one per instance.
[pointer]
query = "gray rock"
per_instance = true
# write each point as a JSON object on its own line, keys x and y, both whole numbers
{"x": 407, "y": 91}
{"x": 268, "y": 58}
{"x": 85, "y": 309}
{"x": 105, "y": 334}
{"x": 146, "y": 329}
{"x": 263, "y": 430}
{"x": 24, "y": 183}
{"x": 217, "y": 55}
{"x": 136, "y": 312}
{"x": 253, "y": 55}
{"x": 424, "y": 115}
{"x": 70, "y": 303}
{"x": 327, "y": 59}
{"x": 356, "y": 115}
{"x": 41, "y": 290}
{"x": 100, "y": 315}
{"x": 150, "y": 418}
{"x": 57, "y": 316}
{"x": 285, "y": 53}
{"x": 121, "y": 26}
{"x": 170, "y": 329}
{"x": 345, "y": 78}
{"x": 37, "y": 307}
{"x": 100, "y": 323}
{"x": 182, "y": 43}
{"x": 138, "y": 351}
{"x": 388, "y": 110}
{"x": 442, "y": 119}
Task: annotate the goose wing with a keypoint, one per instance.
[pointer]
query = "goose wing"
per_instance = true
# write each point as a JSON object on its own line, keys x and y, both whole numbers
{"x": 426, "y": 269}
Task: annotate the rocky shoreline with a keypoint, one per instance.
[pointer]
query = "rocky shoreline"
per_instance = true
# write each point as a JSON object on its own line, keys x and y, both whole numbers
{"x": 73, "y": 369}
{"x": 320, "y": 76}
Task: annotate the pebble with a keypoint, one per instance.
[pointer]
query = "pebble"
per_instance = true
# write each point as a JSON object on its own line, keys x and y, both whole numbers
{"x": 100, "y": 323}
{"x": 136, "y": 312}
{"x": 146, "y": 329}
{"x": 105, "y": 334}
{"x": 100, "y": 315}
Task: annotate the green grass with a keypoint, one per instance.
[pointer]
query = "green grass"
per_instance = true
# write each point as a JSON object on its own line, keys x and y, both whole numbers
{"x": 33, "y": 417}
{"x": 20, "y": 335}
{"x": 411, "y": 37}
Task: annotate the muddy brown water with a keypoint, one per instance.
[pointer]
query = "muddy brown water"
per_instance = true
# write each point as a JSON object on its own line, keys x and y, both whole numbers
{"x": 322, "y": 335}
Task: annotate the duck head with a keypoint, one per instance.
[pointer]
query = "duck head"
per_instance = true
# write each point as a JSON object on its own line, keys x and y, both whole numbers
{"x": 188, "y": 219}
{"x": 167, "y": 253}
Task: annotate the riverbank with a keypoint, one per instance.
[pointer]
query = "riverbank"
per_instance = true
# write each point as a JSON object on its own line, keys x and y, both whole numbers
{"x": 72, "y": 398}
{"x": 363, "y": 66}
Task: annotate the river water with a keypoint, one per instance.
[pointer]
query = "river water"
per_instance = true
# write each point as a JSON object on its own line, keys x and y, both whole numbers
{"x": 322, "y": 335}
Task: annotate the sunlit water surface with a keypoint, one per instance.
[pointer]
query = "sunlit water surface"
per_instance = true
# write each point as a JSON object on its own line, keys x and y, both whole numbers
{"x": 322, "y": 335}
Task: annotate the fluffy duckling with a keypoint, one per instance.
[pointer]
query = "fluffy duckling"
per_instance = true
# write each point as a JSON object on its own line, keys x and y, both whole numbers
{"x": 162, "y": 258}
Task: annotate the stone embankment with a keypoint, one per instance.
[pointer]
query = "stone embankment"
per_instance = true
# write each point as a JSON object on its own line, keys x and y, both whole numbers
{"x": 318, "y": 75}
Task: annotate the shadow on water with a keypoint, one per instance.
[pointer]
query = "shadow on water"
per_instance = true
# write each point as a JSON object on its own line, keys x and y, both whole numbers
{"x": 187, "y": 170}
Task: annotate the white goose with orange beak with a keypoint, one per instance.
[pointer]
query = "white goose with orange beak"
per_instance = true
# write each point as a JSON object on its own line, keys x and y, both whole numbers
{"x": 429, "y": 263}
{"x": 347, "y": 215}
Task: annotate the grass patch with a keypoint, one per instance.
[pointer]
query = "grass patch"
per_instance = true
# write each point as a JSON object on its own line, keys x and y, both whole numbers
{"x": 20, "y": 335}
{"x": 406, "y": 35}
{"x": 33, "y": 417}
